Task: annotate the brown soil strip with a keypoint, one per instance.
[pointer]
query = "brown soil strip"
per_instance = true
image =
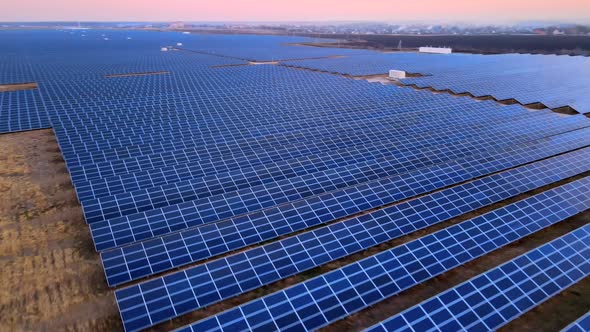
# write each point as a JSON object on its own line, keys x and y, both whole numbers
{"x": 18, "y": 87}
{"x": 51, "y": 277}
{"x": 565, "y": 110}
{"x": 138, "y": 74}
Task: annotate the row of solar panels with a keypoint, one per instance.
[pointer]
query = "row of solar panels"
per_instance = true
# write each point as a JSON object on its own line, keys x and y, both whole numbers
{"x": 525, "y": 78}
{"x": 166, "y": 297}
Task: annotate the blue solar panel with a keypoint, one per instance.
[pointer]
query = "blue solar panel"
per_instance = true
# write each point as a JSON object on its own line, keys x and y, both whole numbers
{"x": 494, "y": 298}
{"x": 142, "y": 225}
{"x": 526, "y": 78}
{"x": 331, "y": 296}
{"x": 352, "y": 153}
{"x": 394, "y": 160}
{"x": 581, "y": 324}
{"x": 161, "y": 254}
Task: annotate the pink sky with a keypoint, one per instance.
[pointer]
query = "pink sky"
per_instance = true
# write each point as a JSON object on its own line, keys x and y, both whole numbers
{"x": 482, "y": 11}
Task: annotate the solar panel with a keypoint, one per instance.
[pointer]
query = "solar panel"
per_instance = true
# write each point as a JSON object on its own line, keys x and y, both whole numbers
{"x": 351, "y": 153}
{"x": 331, "y": 296}
{"x": 581, "y": 324}
{"x": 141, "y": 225}
{"x": 222, "y": 236}
{"x": 322, "y": 181}
{"x": 168, "y": 252}
{"x": 494, "y": 298}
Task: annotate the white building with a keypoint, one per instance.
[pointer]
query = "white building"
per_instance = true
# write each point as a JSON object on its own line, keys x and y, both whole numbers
{"x": 437, "y": 50}
{"x": 397, "y": 74}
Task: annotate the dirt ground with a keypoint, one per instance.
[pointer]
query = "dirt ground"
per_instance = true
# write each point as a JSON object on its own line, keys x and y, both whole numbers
{"x": 18, "y": 87}
{"x": 51, "y": 278}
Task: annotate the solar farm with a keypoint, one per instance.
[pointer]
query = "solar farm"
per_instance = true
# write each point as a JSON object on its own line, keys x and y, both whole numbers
{"x": 230, "y": 167}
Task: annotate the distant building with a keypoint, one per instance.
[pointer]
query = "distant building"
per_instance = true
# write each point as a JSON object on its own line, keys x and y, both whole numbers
{"x": 397, "y": 74}
{"x": 437, "y": 50}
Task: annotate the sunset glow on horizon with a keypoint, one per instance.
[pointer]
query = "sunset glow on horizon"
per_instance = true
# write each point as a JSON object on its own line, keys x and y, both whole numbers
{"x": 301, "y": 10}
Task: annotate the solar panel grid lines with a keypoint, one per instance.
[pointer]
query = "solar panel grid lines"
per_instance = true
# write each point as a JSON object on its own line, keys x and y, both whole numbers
{"x": 397, "y": 103}
{"x": 101, "y": 187}
{"x": 341, "y": 292}
{"x": 147, "y": 258}
{"x": 176, "y": 217}
{"x": 236, "y": 232}
{"x": 127, "y": 151}
{"x": 223, "y": 143}
{"x": 222, "y": 147}
{"x": 496, "y": 297}
{"x": 215, "y": 119}
{"x": 372, "y": 168}
{"x": 581, "y": 324}
{"x": 186, "y": 140}
{"x": 490, "y": 75}
{"x": 134, "y": 227}
{"x": 247, "y": 103}
{"x": 22, "y": 110}
{"x": 182, "y": 156}
{"x": 100, "y": 123}
{"x": 120, "y": 166}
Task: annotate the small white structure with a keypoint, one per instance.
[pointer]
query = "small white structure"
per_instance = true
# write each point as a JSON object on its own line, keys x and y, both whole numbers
{"x": 397, "y": 74}
{"x": 178, "y": 44}
{"x": 164, "y": 49}
{"x": 186, "y": 33}
{"x": 437, "y": 50}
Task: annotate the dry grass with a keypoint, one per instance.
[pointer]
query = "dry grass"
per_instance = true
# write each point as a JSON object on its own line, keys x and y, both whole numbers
{"x": 51, "y": 278}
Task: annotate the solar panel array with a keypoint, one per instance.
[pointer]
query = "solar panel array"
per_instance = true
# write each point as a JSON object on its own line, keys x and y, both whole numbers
{"x": 492, "y": 299}
{"x": 254, "y": 173}
{"x": 526, "y": 78}
{"x": 324, "y": 299}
